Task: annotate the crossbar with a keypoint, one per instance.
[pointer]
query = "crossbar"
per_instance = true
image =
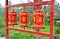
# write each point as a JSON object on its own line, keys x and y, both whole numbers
{"x": 30, "y": 4}
{"x": 31, "y": 32}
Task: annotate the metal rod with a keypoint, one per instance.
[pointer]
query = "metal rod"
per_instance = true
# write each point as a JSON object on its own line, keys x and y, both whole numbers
{"x": 38, "y": 36}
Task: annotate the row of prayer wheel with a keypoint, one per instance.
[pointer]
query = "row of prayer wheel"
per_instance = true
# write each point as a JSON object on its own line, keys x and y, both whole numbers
{"x": 38, "y": 16}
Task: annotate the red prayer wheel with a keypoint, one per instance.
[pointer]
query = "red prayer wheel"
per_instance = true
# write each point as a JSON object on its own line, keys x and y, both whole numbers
{"x": 24, "y": 18}
{"x": 13, "y": 18}
{"x": 38, "y": 19}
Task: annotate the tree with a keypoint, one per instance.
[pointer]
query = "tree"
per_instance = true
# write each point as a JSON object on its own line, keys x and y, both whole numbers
{"x": 9, "y": 2}
{"x": 57, "y": 10}
{"x": 1, "y": 10}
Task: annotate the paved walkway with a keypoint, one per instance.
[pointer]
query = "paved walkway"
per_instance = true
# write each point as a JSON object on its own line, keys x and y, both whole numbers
{"x": 2, "y": 37}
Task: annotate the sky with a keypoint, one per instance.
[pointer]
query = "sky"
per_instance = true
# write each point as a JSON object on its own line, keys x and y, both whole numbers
{"x": 19, "y": 1}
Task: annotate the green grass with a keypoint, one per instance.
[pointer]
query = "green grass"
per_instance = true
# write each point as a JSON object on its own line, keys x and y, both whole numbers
{"x": 2, "y": 32}
{"x": 2, "y": 27}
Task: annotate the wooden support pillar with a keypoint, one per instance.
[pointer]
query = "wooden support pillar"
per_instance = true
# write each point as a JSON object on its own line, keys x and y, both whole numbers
{"x": 52, "y": 20}
{"x": 6, "y": 19}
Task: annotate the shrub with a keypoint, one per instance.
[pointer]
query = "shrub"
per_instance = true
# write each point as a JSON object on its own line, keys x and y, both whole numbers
{"x": 47, "y": 20}
{"x": 58, "y": 24}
